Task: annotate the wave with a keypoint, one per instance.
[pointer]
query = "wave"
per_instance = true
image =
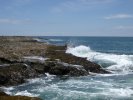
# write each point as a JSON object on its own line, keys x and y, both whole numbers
{"x": 26, "y": 93}
{"x": 113, "y": 62}
{"x": 92, "y": 88}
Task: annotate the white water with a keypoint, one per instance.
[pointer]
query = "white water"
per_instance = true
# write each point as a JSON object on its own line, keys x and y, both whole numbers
{"x": 116, "y": 63}
{"x": 80, "y": 88}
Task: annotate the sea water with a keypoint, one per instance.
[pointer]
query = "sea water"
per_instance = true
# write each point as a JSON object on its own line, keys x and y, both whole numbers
{"x": 112, "y": 53}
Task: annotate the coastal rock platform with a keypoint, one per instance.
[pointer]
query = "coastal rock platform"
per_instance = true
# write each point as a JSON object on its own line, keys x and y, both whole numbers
{"x": 23, "y": 58}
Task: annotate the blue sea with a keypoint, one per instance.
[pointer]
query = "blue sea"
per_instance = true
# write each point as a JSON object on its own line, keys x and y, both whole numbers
{"x": 112, "y": 53}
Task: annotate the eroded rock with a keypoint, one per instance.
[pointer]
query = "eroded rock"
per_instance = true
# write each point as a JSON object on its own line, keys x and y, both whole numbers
{"x": 60, "y": 68}
{"x": 16, "y": 74}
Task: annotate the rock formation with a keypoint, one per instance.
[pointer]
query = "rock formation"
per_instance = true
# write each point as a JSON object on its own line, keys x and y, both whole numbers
{"x": 22, "y": 58}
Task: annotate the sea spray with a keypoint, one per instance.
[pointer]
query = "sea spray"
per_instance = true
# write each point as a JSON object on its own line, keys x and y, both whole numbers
{"x": 119, "y": 63}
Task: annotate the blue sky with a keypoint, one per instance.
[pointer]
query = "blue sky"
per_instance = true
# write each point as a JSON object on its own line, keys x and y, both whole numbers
{"x": 66, "y": 17}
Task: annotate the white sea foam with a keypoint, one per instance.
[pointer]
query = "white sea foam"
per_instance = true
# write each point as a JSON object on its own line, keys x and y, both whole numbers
{"x": 83, "y": 89}
{"x": 26, "y": 93}
{"x": 122, "y": 92}
{"x": 49, "y": 75}
{"x": 76, "y": 88}
{"x": 34, "y": 58}
{"x": 36, "y": 80}
{"x": 120, "y": 63}
{"x": 8, "y": 89}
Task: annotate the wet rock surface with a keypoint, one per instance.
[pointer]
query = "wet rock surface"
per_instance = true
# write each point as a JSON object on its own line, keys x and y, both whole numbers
{"x": 60, "y": 68}
{"x": 16, "y": 74}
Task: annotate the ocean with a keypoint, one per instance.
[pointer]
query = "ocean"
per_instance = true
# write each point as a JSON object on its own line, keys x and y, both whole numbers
{"x": 113, "y": 53}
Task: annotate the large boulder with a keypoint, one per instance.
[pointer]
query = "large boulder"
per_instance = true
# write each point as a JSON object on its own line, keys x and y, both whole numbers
{"x": 60, "y": 68}
{"x": 16, "y": 74}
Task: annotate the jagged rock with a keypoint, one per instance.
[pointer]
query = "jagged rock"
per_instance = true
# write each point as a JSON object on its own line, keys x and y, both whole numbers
{"x": 3, "y": 93}
{"x": 38, "y": 67}
{"x": 60, "y": 68}
{"x": 16, "y": 74}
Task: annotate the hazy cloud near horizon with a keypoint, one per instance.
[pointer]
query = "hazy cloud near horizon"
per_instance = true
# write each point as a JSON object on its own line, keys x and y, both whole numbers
{"x": 66, "y": 17}
{"x": 119, "y": 16}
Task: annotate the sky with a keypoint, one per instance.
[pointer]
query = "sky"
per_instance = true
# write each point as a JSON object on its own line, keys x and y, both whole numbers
{"x": 66, "y": 17}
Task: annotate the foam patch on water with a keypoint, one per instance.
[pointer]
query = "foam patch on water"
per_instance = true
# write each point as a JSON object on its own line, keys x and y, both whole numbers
{"x": 121, "y": 92}
{"x": 26, "y": 93}
{"x": 42, "y": 80}
{"x": 36, "y": 80}
{"x": 120, "y": 63}
{"x": 83, "y": 88}
{"x": 8, "y": 90}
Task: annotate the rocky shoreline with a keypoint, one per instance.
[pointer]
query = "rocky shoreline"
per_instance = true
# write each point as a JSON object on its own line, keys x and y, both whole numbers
{"x": 23, "y": 58}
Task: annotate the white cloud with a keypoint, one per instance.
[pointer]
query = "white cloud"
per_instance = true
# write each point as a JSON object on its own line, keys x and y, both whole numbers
{"x": 124, "y": 27}
{"x": 76, "y": 5}
{"x": 13, "y": 21}
{"x": 119, "y": 16}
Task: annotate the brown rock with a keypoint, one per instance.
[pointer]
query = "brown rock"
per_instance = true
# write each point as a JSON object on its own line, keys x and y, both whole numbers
{"x": 4, "y": 96}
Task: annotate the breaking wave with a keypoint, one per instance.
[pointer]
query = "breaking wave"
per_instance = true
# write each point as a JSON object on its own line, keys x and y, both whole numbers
{"x": 113, "y": 62}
